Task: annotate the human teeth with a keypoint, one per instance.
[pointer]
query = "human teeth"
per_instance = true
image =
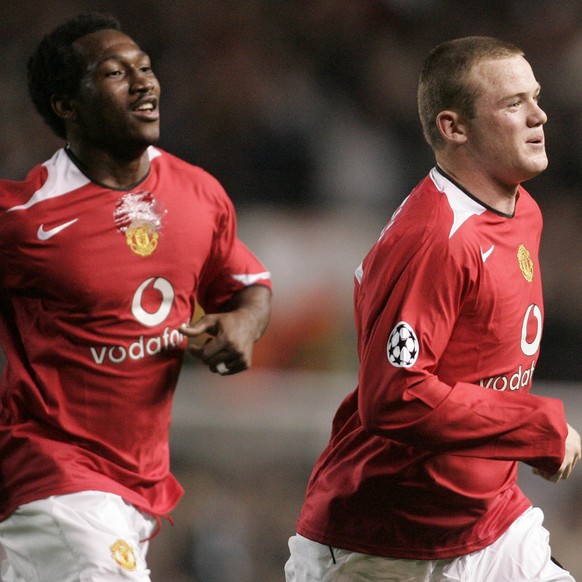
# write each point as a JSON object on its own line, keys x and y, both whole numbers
{"x": 145, "y": 107}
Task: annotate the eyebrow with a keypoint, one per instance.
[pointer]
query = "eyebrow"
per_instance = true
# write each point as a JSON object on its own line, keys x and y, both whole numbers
{"x": 114, "y": 57}
{"x": 537, "y": 91}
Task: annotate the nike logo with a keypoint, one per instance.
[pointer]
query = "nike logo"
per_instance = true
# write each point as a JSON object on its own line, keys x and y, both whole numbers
{"x": 43, "y": 234}
{"x": 485, "y": 255}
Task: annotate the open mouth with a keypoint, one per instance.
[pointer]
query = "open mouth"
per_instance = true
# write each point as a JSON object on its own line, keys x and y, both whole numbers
{"x": 147, "y": 108}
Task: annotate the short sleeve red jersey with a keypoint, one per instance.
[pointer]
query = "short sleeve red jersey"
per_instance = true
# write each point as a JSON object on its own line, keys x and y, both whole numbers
{"x": 422, "y": 460}
{"x": 94, "y": 283}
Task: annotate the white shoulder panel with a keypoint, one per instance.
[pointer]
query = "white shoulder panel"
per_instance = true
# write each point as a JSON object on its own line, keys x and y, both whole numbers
{"x": 62, "y": 177}
{"x": 462, "y": 205}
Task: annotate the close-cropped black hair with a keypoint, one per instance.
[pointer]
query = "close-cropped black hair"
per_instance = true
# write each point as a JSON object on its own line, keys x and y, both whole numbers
{"x": 55, "y": 68}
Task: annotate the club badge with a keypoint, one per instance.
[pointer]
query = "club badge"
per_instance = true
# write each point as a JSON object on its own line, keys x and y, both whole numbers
{"x": 525, "y": 263}
{"x": 124, "y": 555}
{"x": 142, "y": 238}
{"x": 137, "y": 217}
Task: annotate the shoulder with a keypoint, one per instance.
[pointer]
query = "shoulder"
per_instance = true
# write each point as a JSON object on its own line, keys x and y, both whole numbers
{"x": 194, "y": 186}
{"x": 435, "y": 226}
{"x": 16, "y": 192}
{"x": 55, "y": 177}
{"x": 188, "y": 178}
{"x": 526, "y": 205}
{"x": 433, "y": 211}
{"x": 168, "y": 162}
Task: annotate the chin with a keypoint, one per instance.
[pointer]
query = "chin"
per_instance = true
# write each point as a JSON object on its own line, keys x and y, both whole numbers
{"x": 535, "y": 168}
{"x": 146, "y": 132}
{"x": 152, "y": 138}
{"x": 145, "y": 141}
{"x": 540, "y": 168}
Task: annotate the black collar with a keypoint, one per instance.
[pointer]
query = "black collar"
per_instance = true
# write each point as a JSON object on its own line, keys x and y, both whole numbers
{"x": 465, "y": 191}
{"x": 83, "y": 168}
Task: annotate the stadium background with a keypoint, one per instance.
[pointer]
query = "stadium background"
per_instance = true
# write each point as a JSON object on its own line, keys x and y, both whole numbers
{"x": 306, "y": 111}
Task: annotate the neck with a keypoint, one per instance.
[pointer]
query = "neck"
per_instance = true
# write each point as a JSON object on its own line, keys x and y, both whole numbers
{"x": 110, "y": 170}
{"x": 494, "y": 194}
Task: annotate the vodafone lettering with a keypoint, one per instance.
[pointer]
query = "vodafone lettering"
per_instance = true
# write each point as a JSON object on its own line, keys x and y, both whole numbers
{"x": 164, "y": 287}
{"x": 530, "y": 348}
{"x": 514, "y": 382}
{"x": 521, "y": 378}
{"x": 139, "y": 349}
{"x": 145, "y": 346}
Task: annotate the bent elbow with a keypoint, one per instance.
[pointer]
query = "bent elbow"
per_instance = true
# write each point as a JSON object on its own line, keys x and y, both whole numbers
{"x": 370, "y": 419}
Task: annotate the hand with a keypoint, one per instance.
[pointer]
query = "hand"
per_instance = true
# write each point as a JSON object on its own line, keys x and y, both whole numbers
{"x": 225, "y": 341}
{"x": 571, "y": 457}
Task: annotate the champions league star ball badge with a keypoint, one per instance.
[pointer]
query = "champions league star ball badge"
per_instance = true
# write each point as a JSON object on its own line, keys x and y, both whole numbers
{"x": 403, "y": 347}
{"x": 136, "y": 216}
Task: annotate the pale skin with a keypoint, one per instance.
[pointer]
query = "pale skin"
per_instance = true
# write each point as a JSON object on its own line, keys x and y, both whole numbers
{"x": 571, "y": 457}
{"x": 110, "y": 123}
{"x": 498, "y": 149}
{"x": 503, "y": 145}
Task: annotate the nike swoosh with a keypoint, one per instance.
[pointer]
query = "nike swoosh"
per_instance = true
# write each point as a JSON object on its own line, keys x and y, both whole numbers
{"x": 485, "y": 255}
{"x": 46, "y": 234}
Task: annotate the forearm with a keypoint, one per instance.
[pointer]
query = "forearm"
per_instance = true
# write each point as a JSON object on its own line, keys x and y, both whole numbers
{"x": 468, "y": 421}
{"x": 256, "y": 301}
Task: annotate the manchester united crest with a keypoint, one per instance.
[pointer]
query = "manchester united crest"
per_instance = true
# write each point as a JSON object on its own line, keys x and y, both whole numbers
{"x": 525, "y": 263}
{"x": 141, "y": 238}
{"x": 137, "y": 217}
{"x": 124, "y": 555}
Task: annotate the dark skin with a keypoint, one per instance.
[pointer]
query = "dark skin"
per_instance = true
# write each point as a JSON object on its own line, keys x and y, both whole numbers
{"x": 110, "y": 123}
{"x": 114, "y": 116}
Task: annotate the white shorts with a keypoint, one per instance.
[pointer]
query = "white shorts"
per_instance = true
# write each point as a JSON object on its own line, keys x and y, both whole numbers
{"x": 88, "y": 536}
{"x": 521, "y": 554}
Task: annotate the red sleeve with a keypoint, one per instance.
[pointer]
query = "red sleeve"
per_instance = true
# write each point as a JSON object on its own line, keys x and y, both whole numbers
{"x": 242, "y": 269}
{"x": 231, "y": 266}
{"x": 425, "y": 285}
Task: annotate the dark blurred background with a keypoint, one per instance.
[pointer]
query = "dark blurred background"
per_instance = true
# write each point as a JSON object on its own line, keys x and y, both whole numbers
{"x": 306, "y": 112}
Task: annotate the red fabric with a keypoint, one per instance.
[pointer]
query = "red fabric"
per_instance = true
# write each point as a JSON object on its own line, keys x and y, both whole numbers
{"x": 88, "y": 322}
{"x": 421, "y": 463}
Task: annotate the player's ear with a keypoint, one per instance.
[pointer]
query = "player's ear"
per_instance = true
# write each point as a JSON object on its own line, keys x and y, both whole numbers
{"x": 62, "y": 107}
{"x": 451, "y": 127}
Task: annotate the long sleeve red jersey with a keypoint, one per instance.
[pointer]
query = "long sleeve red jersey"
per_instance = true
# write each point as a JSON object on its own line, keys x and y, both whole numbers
{"x": 422, "y": 460}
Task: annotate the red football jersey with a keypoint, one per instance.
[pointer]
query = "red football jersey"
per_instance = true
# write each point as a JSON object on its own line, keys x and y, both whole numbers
{"x": 422, "y": 460}
{"x": 94, "y": 283}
